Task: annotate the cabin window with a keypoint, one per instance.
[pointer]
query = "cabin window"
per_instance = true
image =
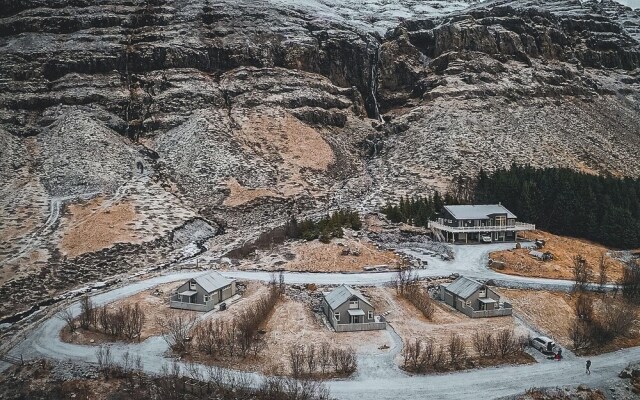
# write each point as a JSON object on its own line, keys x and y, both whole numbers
{"x": 468, "y": 303}
{"x": 206, "y": 298}
{"x": 337, "y": 316}
{"x": 370, "y": 315}
{"x": 192, "y": 285}
{"x": 482, "y": 293}
{"x": 353, "y": 304}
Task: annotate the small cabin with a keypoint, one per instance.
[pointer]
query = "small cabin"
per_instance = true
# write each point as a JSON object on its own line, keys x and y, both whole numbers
{"x": 203, "y": 292}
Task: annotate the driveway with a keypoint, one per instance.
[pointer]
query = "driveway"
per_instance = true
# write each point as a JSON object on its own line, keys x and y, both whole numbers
{"x": 469, "y": 260}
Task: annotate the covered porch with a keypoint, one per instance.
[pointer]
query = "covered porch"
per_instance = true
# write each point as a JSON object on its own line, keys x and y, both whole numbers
{"x": 188, "y": 296}
{"x": 356, "y": 316}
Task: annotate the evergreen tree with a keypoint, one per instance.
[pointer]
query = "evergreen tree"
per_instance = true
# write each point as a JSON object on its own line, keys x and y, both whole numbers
{"x": 565, "y": 202}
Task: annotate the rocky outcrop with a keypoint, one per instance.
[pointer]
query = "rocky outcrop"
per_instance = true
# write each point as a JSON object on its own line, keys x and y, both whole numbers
{"x": 247, "y": 112}
{"x": 484, "y": 39}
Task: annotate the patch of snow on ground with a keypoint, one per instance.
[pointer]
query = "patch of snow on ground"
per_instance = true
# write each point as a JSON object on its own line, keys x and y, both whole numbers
{"x": 373, "y": 15}
{"x": 635, "y": 4}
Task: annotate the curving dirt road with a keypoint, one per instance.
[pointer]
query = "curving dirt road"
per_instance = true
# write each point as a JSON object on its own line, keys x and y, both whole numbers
{"x": 378, "y": 377}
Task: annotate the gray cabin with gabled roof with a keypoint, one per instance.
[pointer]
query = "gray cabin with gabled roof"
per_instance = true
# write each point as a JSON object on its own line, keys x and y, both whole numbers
{"x": 203, "y": 292}
{"x": 348, "y": 310}
{"x": 473, "y": 298}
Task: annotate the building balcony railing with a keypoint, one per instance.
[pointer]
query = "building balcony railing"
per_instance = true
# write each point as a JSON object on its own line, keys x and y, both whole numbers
{"x": 176, "y": 301}
{"x": 359, "y": 326}
{"x": 518, "y": 226}
{"x": 505, "y": 309}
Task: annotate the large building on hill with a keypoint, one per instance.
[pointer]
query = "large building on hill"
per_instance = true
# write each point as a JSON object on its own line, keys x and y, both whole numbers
{"x": 477, "y": 223}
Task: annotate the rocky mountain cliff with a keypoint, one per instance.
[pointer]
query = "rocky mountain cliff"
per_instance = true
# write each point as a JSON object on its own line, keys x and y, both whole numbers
{"x": 243, "y": 112}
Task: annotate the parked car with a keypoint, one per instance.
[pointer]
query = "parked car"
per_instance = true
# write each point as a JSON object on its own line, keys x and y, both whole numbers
{"x": 543, "y": 344}
{"x": 486, "y": 238}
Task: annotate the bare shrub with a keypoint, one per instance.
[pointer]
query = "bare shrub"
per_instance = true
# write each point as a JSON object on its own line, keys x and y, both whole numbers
{"x": 237, "y": 338}
{"x": 67, "y": 316}
{"x": 124, "y": 322}
{"x": 104, "y": 322}
{"x": 311, "y": 360}
{"x": 603, "y": 267}
{"x": 105, "y": 360}
{"x": 134, "y": 318}
{"x": 507, "y": 343}
{"x": 439, "y": 362}
{"x": 424, "y": 356}
{"x": 612, "y": 321}
{"x": 344, "y": 361}
{"x": 419, "y": 355}
{"x": 580, "y": 334}
{"x": 584, "y": 307}
{"x": 296, "y": 360}
{"x": 420, "y": 299}
{"x": 617, "y": 319}
{"x": 581, "y": 273}
{"x": 457, "y": 352}
{"x": 411, "y": 354}
{"x": 403, "y": 278}
{"x": 409, "y": 288}
{"x": 281, "y": 388}
{"x": 250, "y": 319}
{"x": 484, "y": 344}
{"x": 324, "y": 357}
{"x": 176, "y": 329}
{"x": 112, "y": 323}
{"x": 631, "y": 282}
{"x": 87, "y": 316}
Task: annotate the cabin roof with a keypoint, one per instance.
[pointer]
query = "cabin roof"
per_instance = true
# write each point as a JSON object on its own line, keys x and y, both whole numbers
{"x": 212, "y": 281}
{"x": 479, "y": 211}
{"x": 463, "y": 287}
{"x": 341, "y": 294}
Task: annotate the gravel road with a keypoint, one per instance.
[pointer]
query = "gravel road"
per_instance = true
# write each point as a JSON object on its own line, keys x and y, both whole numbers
{"x": 378, "y": 378}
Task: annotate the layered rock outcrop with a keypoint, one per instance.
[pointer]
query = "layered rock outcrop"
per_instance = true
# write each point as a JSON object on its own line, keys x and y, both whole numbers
{"x": 246, "y": 112}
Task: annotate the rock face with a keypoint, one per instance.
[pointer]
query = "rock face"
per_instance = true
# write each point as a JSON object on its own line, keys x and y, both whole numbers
{"x": 245, "y": 112}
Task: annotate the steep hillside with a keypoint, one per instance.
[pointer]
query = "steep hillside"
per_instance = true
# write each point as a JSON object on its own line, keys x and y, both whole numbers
{"x": 243, "y": 112}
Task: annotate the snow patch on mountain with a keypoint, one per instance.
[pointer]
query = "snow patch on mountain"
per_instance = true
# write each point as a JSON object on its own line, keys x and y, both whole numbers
{"x": 373, "y": 15}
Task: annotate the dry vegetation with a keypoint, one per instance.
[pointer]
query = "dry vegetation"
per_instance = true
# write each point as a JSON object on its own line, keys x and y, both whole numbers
{"x": 409, "y": 288}
{"x": 317, "y": 256}
{"x": 290, "y": 324}
{"x": 554, "y": 314}
{"x": 97, "y": 224}
{"x": 444, "y": 323}
{"x": 37, "y": 381}
{"x": 491, "y": 348}
{"x": 124, "y": 379}
{"x": 345, "y": 254}
{"x": 284, "y": 136}
{"x": 284, "y": 140}
{"x": 154, "y": 304}
{"x": 564, "y": 249}
{"x": 239, "y": 194}
{"x": 551, "y": 312}
{"x": 581, "y": 392}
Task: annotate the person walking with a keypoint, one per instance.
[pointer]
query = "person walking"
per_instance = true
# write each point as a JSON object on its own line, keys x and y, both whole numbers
{"x": 588, "y": 367}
